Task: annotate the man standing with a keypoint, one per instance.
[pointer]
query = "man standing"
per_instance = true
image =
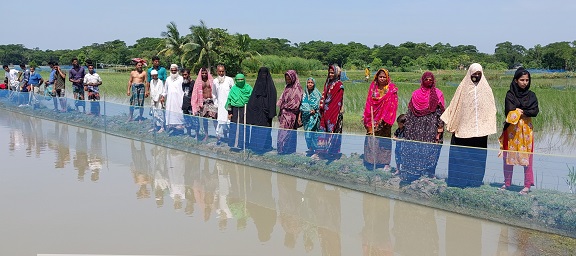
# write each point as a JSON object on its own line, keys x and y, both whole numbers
{"x": 222, "y": 85}
{"x": 190, "y": 121}
{"x": 137, "y": 91}
{"x": 23, "y": 78}
{"x": 50, "y": 83}
{"x": 77, "y": 74}
{"x": 174, "y": 96}
{"x": 11, "y": 76}
{"x": 92, "y": 81}
{"x": 59, "y": 88}
{"x": 35, "y": 82}
{"x": 202, "y": 99}
{"x": 160, "y": 70}
{"x": 157, "y": 97}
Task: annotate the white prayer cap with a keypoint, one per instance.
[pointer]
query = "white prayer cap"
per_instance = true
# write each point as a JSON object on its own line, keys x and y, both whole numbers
{"x": 173, "y": 66}
{"x": 154, "y": 72}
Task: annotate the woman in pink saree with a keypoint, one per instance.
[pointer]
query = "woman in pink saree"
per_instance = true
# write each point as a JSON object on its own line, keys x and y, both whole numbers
{"x": 379, "y": 116}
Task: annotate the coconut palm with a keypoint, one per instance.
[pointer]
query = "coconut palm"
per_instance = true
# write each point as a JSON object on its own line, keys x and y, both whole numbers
{"x": 176, "y": 45}
{"x": 243, "y": 41}
{"x": 202, "y": 42}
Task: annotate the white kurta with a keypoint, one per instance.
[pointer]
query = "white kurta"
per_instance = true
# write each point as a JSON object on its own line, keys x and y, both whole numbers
{"x": 174, "y": 96}
{"x": 220, "y": 93}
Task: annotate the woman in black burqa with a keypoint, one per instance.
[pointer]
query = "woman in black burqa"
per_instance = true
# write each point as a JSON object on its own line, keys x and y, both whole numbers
{"x": 261, "y": 109}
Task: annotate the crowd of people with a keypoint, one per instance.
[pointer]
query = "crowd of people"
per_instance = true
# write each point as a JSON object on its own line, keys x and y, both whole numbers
{"x": 243, "y": 115}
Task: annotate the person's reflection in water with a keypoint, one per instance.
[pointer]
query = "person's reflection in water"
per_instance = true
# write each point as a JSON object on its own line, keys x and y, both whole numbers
{"x": 38, "y": 135}
{"x": 223, "y": 210}
{"x": 190, "y": 174}
{"x": 160, "y": 174}
{"x": 62, "y": 145}
{"x": 377, "y": 233}
{"x": 415, "y": 230}
{"x": 323, "y": 206}
{"x": 204, "y": 186}
{"x": 237, "y": 197}
{"x": 140, "y": 170}
{"x": 290, "y": 207}
{"x": 81, "y": 157}
{"x": 260, "y": 204}
{"x": 16, "y": 140}
{"x": 95, "y": 157}
{"x": 176, "y": 160}
{"x": 462, "y": 235}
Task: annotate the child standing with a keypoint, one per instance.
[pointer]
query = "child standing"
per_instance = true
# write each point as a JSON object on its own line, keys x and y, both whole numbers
{"x": 399, "y": 135}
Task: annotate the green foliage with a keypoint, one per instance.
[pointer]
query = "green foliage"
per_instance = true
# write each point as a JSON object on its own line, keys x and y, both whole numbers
{"x": 279, "y": 65}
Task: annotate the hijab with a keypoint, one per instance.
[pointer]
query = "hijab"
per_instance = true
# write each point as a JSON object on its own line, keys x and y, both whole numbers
{"x": 239, "y": 93}
{"x": 517, "y": 97}
{"x": 472, "y": 111}
{"x": 382, "y": 107}
{"x": 426, "y": 99}
{"x": 292, "y": 94}
{"x": 262, "y": 103}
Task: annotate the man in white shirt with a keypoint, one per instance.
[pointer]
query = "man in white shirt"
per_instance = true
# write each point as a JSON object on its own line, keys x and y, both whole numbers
{"x": 11, "y": 76}
{"x": 92, "y": 81}
{"x": 157, "y": 95}
{"x": 221, "y": 89}
{"x": 174, "y": 96}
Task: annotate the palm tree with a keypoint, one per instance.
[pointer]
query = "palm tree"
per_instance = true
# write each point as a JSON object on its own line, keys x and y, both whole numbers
{"x": 176, "y": 45}
{"x": 202, "y": 43}
{"x": 244, "y": 48}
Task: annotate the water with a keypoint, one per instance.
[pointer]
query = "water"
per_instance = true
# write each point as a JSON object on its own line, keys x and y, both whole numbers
{"x": 72, "y": 190}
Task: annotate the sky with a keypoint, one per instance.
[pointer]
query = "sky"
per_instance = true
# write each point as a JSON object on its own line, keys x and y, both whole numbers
{"x": 55, "y": 25}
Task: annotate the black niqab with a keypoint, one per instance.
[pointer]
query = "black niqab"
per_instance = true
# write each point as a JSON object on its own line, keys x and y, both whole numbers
{"x": 261, "y": 106}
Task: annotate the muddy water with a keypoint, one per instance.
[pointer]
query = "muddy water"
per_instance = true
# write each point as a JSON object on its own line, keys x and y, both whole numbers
{"x": 70, "y": 190}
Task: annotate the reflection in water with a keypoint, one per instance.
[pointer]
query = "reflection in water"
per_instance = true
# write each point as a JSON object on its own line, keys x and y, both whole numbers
{"x": 290, "y": 207}
{"x": 160, "y": 170}
{"x": 140, "y": 169}
{"x": 234, "y": 206}
{"x": 176, "y": 167}
{"x": 81, "y": 157}
{"x": 377, "y": 237}
{"x": 261, "y": 204}
{"x": 323, "y": 204}
{"x": 95, "y": 159}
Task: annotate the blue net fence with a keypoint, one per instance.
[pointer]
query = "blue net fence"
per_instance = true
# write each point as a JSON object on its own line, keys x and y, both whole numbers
{"x": 459, "y": 179}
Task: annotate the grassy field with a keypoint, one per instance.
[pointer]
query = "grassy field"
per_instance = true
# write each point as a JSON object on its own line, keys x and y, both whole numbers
{"x": 556, "y": 93}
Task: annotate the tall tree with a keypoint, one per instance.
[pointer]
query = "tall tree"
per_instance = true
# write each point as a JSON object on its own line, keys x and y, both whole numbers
{"x": 202, "y": 42}
{"x": 175, "y": 45}
{"x": 509, "y": 53}
{"x": 245, "y": 52}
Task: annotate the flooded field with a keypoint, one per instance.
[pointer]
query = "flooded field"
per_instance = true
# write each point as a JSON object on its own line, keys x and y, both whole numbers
{"x": 72, "y": 190}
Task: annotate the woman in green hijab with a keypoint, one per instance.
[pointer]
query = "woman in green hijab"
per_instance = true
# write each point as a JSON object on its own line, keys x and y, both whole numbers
{"x": 236, "y": 103}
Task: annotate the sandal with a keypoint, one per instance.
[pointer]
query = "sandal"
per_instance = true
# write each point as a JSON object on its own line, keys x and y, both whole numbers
{"x": 503, "y": 188}
{"x": 524, "y": 191}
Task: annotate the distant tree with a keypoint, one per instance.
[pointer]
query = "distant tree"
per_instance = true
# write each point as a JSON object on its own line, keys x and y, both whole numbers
{"x": 245, "y": 51}
{"x": 558, "y": 55}
{"x": 510, "y": 54}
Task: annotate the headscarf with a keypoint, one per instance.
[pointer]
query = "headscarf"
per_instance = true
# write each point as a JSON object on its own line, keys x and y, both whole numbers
{"x": 382, "y": 107}
{"x": 337, "y": 73}
{"x": 239, "y": 93}
{"x": 140, "y": 60}
{"x": 263, "y": 100}
{"x": 472, "y": 111}
{"x": 426, "y": 99}
{"x": 197, "y": 98}
{"x": 517, "y": 97}
{"x": 292, "y": 95}
{"x": 307, "y": 92}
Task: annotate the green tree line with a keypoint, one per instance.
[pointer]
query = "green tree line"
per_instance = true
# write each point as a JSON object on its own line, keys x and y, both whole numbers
{"x": 206, "y": 47}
